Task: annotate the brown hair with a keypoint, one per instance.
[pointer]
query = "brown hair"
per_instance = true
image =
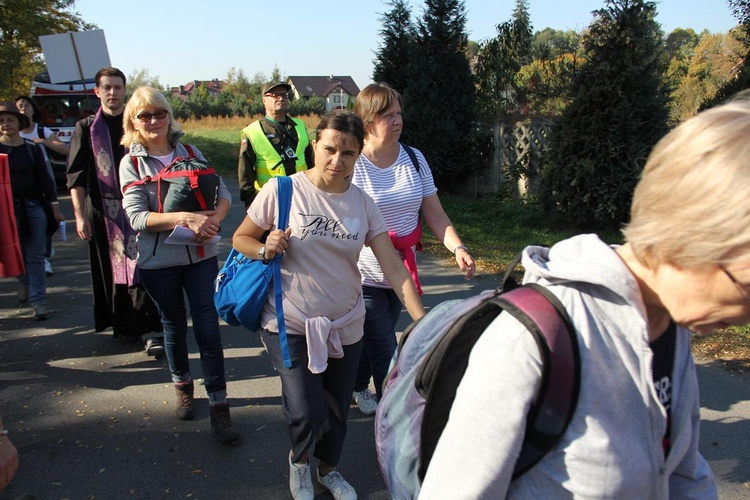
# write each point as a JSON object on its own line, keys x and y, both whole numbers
{"x": 374, "y": 100}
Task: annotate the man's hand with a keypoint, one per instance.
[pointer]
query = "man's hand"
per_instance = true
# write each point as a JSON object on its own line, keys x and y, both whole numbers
{"x": 83, "y": 228}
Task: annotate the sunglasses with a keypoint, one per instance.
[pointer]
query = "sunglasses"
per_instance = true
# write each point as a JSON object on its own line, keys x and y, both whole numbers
{"x": 273, "y": 95}
{"x": 146, "y": 117}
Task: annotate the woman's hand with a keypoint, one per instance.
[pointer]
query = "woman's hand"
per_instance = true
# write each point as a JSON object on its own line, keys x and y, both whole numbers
{"x": 465, "y": 262}
{"x": 59, "y": 217}
{"x": 204, "y": 224}
{"x": 277, "y": 241}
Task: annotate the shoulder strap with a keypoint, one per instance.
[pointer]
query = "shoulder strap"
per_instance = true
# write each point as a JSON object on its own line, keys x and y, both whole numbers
{"x": 31, "y": 148}
{"x": 40, "y": 131}
{"x": 191, "y": 153}
{"x": 412, "y": 156}
{"x": 544, "y": 316}
{"x": 283, "y": 207}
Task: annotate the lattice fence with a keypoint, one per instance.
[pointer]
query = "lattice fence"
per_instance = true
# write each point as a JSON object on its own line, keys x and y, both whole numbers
{"x": 519, "y": 154}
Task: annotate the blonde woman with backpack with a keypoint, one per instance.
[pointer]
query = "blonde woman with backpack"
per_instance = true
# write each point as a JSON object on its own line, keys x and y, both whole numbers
{"x": 169, "y": 272}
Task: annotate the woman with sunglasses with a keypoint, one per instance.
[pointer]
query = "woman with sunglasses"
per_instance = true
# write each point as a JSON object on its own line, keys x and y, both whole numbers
{"x": 168, "y": 271}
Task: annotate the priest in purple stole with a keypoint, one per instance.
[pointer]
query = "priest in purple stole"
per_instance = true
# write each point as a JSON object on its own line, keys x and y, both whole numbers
{"x": 120, "y": 301}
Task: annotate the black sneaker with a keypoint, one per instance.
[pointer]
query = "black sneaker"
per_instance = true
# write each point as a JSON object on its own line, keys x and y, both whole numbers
{"x": 40, "y": 312}
{"x": 221, "y": 424}
{"x": 154, "y": 347}
{"x": 185, "y": 409}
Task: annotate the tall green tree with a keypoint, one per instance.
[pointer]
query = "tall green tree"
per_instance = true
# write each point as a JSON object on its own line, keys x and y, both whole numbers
{"x": 602, "y": 140}
{"x": 500, "y": 98}
{"x": 21, "y": 24}
{"x": 499, "y": 94}
{"x": 396, "y": 49}
{"x": 439, "y": 96}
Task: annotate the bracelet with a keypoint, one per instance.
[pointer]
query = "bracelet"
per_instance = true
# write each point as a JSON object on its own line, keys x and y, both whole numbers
{"x": 460, "y": 247}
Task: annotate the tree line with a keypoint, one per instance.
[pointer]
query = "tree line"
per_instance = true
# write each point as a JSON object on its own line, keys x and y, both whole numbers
{"x": 611, "y": 90}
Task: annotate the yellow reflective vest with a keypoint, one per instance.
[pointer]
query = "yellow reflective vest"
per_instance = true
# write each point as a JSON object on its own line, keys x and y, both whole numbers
{"x": 269, "y": 162}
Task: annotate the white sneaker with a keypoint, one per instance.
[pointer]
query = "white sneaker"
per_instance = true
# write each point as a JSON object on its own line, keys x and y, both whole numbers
{"x": 47, "y": 267}
{"x": 365, "y": 401}
{"x": 337, "y": 485}
{"x": 300, "y": 481}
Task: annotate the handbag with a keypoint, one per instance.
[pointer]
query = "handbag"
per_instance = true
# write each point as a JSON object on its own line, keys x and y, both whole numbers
{"x": 242, "y": 285}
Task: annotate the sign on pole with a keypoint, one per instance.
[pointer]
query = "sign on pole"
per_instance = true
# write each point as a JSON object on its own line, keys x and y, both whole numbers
{"x": 74, "y": 56}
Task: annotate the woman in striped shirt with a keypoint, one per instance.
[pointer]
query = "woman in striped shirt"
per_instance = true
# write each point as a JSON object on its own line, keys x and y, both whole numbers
{"x": 398, "y": 178}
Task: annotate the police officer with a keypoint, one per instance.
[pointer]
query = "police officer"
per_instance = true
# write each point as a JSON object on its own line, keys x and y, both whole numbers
{"x": 274, "y": 145}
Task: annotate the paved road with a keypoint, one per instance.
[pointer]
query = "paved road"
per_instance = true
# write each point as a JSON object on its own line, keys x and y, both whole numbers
{"x": 92, "y": 417}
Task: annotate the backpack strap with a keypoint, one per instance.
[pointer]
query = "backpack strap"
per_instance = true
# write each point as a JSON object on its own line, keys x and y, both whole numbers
{"x": 544, "y": 316}
{"x": 191, "y": 153}
{"x": 412, "y": 157}
{"x": 283, "y": 207}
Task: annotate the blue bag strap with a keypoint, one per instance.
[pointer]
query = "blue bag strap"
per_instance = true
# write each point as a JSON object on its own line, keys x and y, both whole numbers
{"x": 284, "y": 185}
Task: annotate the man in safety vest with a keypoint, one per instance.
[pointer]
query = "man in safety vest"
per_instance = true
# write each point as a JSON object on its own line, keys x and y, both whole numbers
{"x": 275, "y": 145}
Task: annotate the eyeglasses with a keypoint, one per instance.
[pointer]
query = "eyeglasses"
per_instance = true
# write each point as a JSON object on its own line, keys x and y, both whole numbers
{"x": 274, "y": 95}
{"x": 739, "y": 285}
{"x": 146, "y": 117}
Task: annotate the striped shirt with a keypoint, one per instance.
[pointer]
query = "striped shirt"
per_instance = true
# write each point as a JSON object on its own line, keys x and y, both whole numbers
{"x": 398, "y": 191}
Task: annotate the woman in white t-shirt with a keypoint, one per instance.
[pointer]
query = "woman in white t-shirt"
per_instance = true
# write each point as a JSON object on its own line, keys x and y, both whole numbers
{"x": 398, "y": 178}
{"x": 330, "y": 221}
{"x": 49, "y": 141}
{"x": 47, "y": 138}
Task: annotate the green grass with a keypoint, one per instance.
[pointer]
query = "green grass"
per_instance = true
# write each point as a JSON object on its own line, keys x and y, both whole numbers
{"x": 496, "y": 229}
{"x": 220, "y": 147}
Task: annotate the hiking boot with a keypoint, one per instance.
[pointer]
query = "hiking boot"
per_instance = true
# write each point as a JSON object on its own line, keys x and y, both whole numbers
{"x": 365, "y": 401}
{"x": 300, "y": 481}
{"x": 184, "y": 409}
{"x": 337, "y": 485}
{"x": 40, "y": 312}
{"x": 23, "y": 293}
{"x": 221, "y": 424}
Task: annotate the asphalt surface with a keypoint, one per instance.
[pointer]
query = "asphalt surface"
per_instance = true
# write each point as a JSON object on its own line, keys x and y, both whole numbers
{"x": 92, "y": 417}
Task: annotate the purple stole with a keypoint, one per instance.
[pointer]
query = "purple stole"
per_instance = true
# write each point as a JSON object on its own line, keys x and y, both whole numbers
{"x": 123, "y": 251}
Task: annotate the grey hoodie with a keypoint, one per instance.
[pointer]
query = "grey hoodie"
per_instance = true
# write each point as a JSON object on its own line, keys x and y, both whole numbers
{"x": 613, "y": 446}
{"x": 139, "y": 201}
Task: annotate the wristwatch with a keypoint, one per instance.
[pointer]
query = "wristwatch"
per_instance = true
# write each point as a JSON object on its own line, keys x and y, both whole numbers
{"x": 262, "y": 252}
{"x": 460, "y": 247}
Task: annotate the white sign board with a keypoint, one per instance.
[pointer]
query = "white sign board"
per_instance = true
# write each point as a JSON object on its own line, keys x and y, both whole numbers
{"x": 74, "y": 56}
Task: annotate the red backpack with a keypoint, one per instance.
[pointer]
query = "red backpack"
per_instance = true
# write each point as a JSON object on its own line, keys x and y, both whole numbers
{"x": 185, "y": 185}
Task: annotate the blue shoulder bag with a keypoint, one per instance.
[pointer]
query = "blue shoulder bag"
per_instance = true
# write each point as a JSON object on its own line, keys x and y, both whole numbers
{"x": 242, "y": 284}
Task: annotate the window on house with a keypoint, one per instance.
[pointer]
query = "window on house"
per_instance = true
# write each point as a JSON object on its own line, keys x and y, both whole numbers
{"x": 336, "y": 98}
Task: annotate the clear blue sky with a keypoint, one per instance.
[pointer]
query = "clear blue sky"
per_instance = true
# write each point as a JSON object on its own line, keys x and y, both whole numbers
{"x": 197, "y": 40}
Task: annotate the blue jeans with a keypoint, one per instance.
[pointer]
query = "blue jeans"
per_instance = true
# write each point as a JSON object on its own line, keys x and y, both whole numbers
{"x": 167, "y": 287}
{"x": 383, "y": 309}
{"x": 32, "y": 247}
